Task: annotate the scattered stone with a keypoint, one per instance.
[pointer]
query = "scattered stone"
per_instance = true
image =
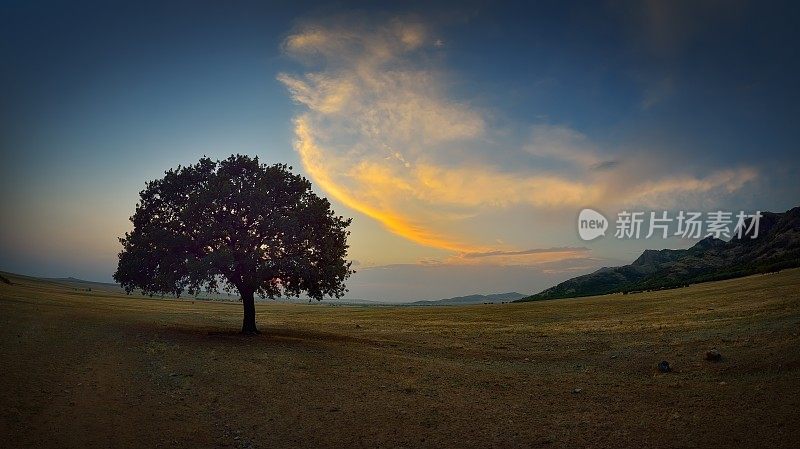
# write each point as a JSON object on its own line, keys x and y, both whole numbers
{"x": 577, "y": 390}
{"x": 664, "y": 367}
{"x": 613, "y": 356}
{"x": 713, "y": 355}
{"x": 723, "y": 383}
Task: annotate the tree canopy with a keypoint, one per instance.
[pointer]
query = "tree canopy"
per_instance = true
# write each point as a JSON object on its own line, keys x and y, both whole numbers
{"x": 235, "y": 224}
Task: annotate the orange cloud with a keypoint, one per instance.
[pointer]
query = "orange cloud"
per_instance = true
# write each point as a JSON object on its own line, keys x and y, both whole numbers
{"x": 313, "y": 160}
{"x": 381, "y": 135}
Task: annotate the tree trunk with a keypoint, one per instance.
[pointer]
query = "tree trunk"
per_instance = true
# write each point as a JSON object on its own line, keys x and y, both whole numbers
{"x": 249, "y": 322}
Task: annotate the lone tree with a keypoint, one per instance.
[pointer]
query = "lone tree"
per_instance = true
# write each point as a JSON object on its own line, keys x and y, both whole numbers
{"x": 239, "y": 225}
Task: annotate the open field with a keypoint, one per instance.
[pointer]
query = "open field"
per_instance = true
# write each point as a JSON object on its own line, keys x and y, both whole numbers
{"x": 98, "y": 369}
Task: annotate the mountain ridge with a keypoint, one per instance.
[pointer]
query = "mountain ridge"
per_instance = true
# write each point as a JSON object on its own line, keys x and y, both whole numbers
{"x": 472, "y": 299}
{"x": 776, "y": 247}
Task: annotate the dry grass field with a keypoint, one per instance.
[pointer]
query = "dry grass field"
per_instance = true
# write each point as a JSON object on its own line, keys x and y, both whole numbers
{"x": 99, "y": 369}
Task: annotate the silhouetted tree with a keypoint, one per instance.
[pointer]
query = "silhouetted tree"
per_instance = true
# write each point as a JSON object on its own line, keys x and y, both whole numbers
{"x": 235, "y": 224}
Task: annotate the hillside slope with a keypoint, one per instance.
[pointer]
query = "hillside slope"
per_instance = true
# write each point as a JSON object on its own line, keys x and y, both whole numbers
{"x": 776, "y": 247}
{"x": 472, "y": 299}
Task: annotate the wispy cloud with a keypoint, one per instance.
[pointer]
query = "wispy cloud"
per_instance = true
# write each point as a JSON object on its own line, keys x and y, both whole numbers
{"x": 562, "y": 143}
{"x": 538, "y": 257}
{"x": 382, "y": 133}
{"x": 563, "y": 249}
{"x": 657, "y": 92}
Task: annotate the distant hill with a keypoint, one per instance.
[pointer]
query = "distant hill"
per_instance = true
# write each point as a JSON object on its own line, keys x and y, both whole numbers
{"x": 81, "y": 284}
{"x": 94, "y": 286}
{"x": 74, "y": 283}
{"x": 776, "y": 247}
{"x": 472, "y": 299}
{"x": 346, "y": 302}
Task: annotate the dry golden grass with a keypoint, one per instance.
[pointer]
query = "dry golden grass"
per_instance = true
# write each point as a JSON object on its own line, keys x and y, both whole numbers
{"x": 98, "y": 369}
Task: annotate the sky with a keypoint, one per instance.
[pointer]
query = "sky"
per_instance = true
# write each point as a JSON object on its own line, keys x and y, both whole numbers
{"x": 462, "y": 138}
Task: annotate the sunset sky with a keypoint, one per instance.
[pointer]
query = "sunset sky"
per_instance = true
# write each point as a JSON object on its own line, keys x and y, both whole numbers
{"x": 463, "y": 138}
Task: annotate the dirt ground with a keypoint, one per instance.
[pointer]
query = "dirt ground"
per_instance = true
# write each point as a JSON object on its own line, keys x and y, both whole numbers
{"x": 98, "y": 369}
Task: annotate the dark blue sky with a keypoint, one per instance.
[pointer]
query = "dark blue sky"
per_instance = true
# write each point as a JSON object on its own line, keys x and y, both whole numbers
{"x": 98, "y": 97}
